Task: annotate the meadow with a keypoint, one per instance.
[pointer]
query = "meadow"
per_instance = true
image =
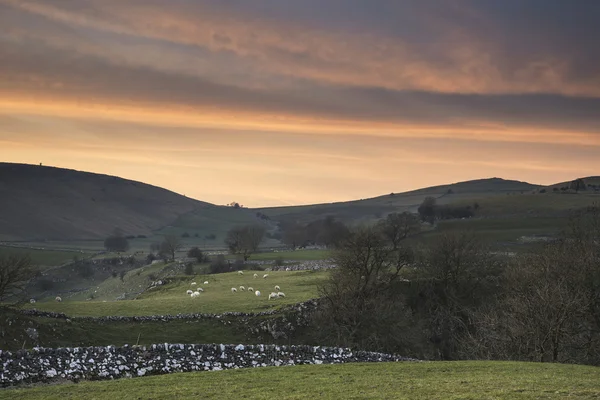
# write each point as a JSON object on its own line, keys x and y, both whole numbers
{"x": 172, "y": 298}
{"x": 45, "y": 257}
{"x": 404, "y": 380}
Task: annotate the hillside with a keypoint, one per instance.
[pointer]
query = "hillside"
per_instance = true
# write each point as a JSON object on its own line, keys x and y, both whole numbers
{"x": 398, "y": 202}
{"x": 45, "y": 203}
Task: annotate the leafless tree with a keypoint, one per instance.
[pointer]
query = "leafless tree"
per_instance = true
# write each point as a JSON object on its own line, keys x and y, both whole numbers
{"x": 169, "y": 245}
{"x": 245, "y": 240}
{"x": 397, "y": 227}
{"x": 15, "y": 272}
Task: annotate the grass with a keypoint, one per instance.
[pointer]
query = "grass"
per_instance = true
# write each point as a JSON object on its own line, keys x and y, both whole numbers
{"x": 59, "y": 333}
{"x": 428, "y": 380}
{"x": 43, "y": 257}
{"x": 217, "y": 297}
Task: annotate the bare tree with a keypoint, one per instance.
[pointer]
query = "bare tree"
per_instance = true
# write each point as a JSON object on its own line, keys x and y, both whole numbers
{"x": 15, "y": 272}
{"x": 245, "y": 240}
{"x": 397, "y": 227}
{"x": 170, "y": 245}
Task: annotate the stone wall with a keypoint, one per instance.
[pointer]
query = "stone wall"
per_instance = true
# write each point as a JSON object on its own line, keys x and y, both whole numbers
{"x": 96, "y": 363}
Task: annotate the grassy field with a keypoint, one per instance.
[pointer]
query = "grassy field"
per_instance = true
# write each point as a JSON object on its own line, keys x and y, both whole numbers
{"x": 428, "y": 380}
{"x": 59, "y": 333}
{"x": 217, "y": 297}
{"x": 48, "y": 258}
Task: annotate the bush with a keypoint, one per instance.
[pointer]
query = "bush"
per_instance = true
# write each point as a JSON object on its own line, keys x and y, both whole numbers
{"x": 196, "y": 253}
{"x": 185, "y": 235}
{"x": 189, "y": 269}
{"x": 219, "y": 265}
{"x": 152, "y": 277}
{"x": 114, "y": 274}
{"x": 150, "y": 257}
{"x": 122, "y": 275}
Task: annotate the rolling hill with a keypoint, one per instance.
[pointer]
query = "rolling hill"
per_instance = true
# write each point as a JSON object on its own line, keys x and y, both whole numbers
{"x": 45, "y": 203}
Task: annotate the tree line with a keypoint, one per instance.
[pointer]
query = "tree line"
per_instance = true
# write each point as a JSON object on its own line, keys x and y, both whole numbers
{"x": 455, "y": 299}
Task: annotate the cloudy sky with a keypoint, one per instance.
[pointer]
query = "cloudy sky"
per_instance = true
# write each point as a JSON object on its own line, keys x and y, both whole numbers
{"x": 277, "y": 102}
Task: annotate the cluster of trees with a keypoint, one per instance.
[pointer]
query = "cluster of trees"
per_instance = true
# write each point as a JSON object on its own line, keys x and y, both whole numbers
{"x": 324, "y": 232}
{"x": 456, "y": 300}
{"x": 116, "y": 242}
{"x": 429, "y": 210}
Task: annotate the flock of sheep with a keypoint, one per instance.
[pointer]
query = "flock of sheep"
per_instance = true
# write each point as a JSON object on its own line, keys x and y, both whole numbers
{"x": 273, "y": 295}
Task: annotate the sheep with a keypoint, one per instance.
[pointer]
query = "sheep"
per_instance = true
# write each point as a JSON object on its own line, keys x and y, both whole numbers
{"x": 242, "y": 288}
{"x": 241, "y": 272}
{"x": 32, "y": 301}
{"x": 189, "y": 292}
{"x": 273, "y": 296}
{"x": 200, "y": 289}
{"x": 58, "y": 299}
{"x": 257, "y": 293}
{"x": 288, "y": 269}
{"x": 265, "y": 276}
{"x": 250, "y": 289}
{"x": 280, "y": 294}
{"x": 255, "y": 275}
{"x": 194, "y": 295}
{"x": 277, "y": 288}
{"x": 233, "y": 290}
{"x": 206, "y": 282}
{"x": 193, "y": 283}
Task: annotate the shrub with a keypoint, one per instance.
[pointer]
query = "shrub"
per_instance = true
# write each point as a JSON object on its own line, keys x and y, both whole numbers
{"x": 152, "y": 276}
{"x": 189, "y": 269}
{"x": 114, "y": 274}
{"x": 196, "y": 253}
{"x": 219, "y": 265}
{"x": 122, "y": 275}
{"x": 185, "y": 235}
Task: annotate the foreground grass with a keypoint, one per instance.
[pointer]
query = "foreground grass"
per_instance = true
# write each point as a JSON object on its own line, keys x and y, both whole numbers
{"x": 429, "y": 380}
{"x": 217, "y": 297}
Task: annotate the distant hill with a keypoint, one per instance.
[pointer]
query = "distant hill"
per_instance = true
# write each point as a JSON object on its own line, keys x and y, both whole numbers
{"x": 45, "y": 203}
{"x": 398, "y": 202}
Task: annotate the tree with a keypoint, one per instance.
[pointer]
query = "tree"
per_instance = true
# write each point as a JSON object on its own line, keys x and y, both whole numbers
{"x": 427, "y": 210}
{"x": 245, "y": 240}
{"x": 294, "y": 235}
{"x": 361, "y": 304}
{"x": 15, "y": 272}
{"x": 577, "y": 185}
{"x": 196, "y": 253}
{"x": 170, "y": 245}
{"x": 397, "y": 227}
{"x": 116, "y": 242}
{"x": 454, "y": 275}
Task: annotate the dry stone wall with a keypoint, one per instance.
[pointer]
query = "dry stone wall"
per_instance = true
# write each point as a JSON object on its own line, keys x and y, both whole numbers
{"x": 98, "y": 363}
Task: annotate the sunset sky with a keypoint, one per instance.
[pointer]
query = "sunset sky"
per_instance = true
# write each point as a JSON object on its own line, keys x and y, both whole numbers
{"x": 280, "y": 102}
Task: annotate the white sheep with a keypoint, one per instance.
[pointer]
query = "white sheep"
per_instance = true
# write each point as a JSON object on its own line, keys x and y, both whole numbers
{"x": 32, "y": 301}
{"x": 193, "y": 283}
{"x": 250, "y": 289}
{"x": 241, "y": 272}
{"x": 257, "y": 293}
{"x": 273, "y": 296}
{"x": 277, "y": 288}
{"x": 233, "y": 290}
{"x": 189, "y": 292}
{"x": 280, "y": 294}
{"x": 206, "y": 282}
{"x": 288, "y": 269}
{"x": 58, "y": 299}
{"x": 200, "y": 289}
{"x": 256, "y": 275}
{"x": 195, "y": 294}
{"x": 265, "y": 276}
{"x": 242, "y": 288}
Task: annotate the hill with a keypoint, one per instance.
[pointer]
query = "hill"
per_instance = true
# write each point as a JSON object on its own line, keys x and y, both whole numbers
{"x": 397, "y": 202}
{"x": 404, "y": 380}
{"x": 44, "y": 203}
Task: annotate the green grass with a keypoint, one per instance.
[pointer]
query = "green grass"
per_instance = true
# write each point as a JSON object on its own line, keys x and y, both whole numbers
{"x": 59, "y": 333}
{"x": 43, "y": 257}
{"x": 217, "y": 298}
{"x": 429, "y": 380}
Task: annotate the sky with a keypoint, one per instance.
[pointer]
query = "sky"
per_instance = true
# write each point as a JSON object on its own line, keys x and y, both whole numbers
{"x": 281, "y": 102}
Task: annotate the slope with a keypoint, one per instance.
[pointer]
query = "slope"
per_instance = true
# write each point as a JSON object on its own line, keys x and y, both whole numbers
{"x": 45, "y": 203}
